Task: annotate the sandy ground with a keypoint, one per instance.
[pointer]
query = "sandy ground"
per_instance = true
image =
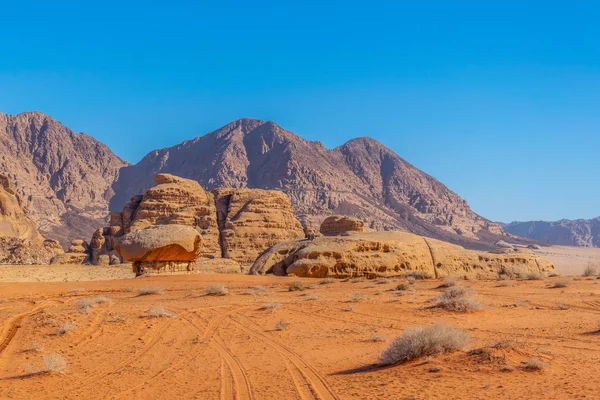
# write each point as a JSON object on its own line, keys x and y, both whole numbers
{"x": 63, "y": 273}
{"x": 227, "y": 347}
{"x": 571, "y": 260}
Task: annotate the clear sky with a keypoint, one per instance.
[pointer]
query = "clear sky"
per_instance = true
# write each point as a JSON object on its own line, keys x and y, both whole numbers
{"x": 501, "y": 102}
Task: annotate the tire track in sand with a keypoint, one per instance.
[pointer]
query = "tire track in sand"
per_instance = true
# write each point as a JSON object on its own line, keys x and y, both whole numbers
{"x": 14, "y": 326}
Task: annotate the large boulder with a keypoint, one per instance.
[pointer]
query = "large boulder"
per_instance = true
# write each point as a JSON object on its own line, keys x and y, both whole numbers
{"x": 78, "y": 253}
{"x": 338, "y": 225}
{"x": 252, "y": 220}
{"x": 385, "y": 254}
{"x": 161, "y": 248}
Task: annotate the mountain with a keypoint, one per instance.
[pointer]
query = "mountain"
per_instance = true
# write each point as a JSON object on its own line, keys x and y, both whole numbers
{"x": 580, "y": 232}
{"x": 63, "y": 178}
{"x": 362, "y": 178}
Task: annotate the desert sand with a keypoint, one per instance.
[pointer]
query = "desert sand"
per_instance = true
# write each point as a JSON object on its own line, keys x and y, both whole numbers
{"x": 227, "y": 347}
{"x": 569, "y": 260}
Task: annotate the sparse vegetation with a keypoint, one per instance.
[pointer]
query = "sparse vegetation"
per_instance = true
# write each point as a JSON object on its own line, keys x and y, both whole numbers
{"x": 356, "y": 297}
{"x": 349, "y": 308}
{"x": 85, "y": 305}
{"x": 34, "y": 347}
{"x": 382, "y": 281}
{"x": 327, "y": 281}
{"x": 506, "y": 283}
{"x": 54, "y": 363}
{"x": 282, "y": 325}
{"x": 376, "y": 337}
{"x": 590, "y": 270}
{"x": 419, "y": 275}
{"x": 159, "y": 312}
{"x": 411, "y": 280}
{"x": 216, "y": 290}
{"x": 117, "y": 318}
{"x": 449, "y": 282}
{"x": 311, "y": 297}
{"x": 533, "y": 276}
{"x": 358, "y": 279}
{"x": 424, "y": 341}
{"x": 533, "y": 364}
{"x": 271, "y": 306}
{"x": 560, "y": 283}
{"x": 458, "y": 298}
{"x": 150, "y": 290}
{"x": 296, "y": 286}
{"x": 402, "y": 287}
{"x": 66, "y": 328}
{"x": 562, "y": 306}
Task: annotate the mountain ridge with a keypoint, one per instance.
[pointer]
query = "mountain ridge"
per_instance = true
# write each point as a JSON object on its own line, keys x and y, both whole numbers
{"x": 578, "y": 232}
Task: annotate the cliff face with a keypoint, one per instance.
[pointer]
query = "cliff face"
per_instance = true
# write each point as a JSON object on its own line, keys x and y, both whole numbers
{"x": 581, "y": 232}
{"x": 63, "y": 178}
{"x": 361, "y": 178}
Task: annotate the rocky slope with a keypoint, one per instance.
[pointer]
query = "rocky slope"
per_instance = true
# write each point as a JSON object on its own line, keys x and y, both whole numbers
{"x": 581, "y": 232}
{"x": 361, "y": 178}
{"x": 63, "y": 178}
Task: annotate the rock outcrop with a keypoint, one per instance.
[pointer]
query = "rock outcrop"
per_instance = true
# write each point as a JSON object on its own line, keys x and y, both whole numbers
{"x": 63, "y": 178}
{"x": 580, "y": 232}
{"x": 361, "y": 178}
{"x": 338, "y": 225}
{"x": 161, "y": 248}
{"x": 78, "y": 253}
{"x": 252, "y": 220}
{"x": 386, "y": 254}
{"x": 20, "y": 241}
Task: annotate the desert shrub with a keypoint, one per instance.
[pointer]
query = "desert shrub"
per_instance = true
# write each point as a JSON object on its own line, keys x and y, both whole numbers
{"x": 506, "y": 283}
{"x": 369, "y": 286}
{"x": 590, "y": 270}
{"x": 54, "y": 363}
{"x": 435, "y": 368}
{"x": 382, "y": 281}
{"x": 150, "y": 290}
{"x": 358, "y": 279}
{"x": 85, "y": 305}
{"x": 376, "y": 337}
{"x": 271, "y": 306}
{"x": 356, "y": 297}
{"x": 296, "y": 286}
{"x": 561, "y": 283}
{"x": 562, "y": 306}
{"x": 327, "y": 281}
{"x": 411, "y": 279}
{"x": 117, "y": 318}
{"x": 402, "y": 286}
{"x": 449, "y": 282}
{"x": 66, "y": 328}
{"x": 502, "y": 344}
{"x": 424, "y": 341}
{"x": 457, "y": 298}
{"x": 533, "y": 276}
{"x": 533, "y": 364}
{"x": 159, "y": 312}
{"x": 419, "y": 275}
{"x": 311, "y": 297}
{"x": 281, "y": 326}
{"x": 216, "y": 290}
{"x": 349, "y": 308}
{"x": 34, "y": 347}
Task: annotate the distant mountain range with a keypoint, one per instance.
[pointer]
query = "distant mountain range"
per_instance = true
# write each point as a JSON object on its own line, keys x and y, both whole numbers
{"x": 69, "y": 181}
{"x": 580, "y": 232}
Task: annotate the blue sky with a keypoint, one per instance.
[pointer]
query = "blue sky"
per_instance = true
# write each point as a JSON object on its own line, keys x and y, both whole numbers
{"x": 498, "y": 101}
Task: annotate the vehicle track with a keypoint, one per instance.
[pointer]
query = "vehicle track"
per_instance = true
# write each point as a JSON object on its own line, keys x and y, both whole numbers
{"x": 14, "y": 326}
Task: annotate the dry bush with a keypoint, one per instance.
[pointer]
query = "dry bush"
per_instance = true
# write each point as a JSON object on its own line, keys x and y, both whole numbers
{"x": 159, "y": 312}
{"x": 358, "y": 279}
{"x": 424, "y": 341}
{"x": 356, "y": 297}
{"x": 382, "y": 281}
{"x": 296, "y": 286}
{"x": 256, "y": 291}
{"x": 281, "y": 326}
{"x": 311, "y": 297}
{"x": 402, "y": 287}
{"x": 85, "y": 305}
{"x": 369, "y": 286}
{"x": 271, "y": 306}
{"x": 457, "y": 298}
{"x": 66, "y": 328}
{"x": 562, "y": 306}
{"x": 327, "y": 281}
{"x": 376, "y": 337}
{"x": 449, "y": 282}
{"x": 312, "y": 287}
{"x": 590, "y": 270}
{"x": 533, "y": 276}
{"x": 411, "y": 280}
{"x": 506, "y": 283}
{"x": 349, "y": 308}
{"x": 561, "y": 283}
{"x": 34, "y": 347}
{"x": 150, "y": 290}
{"x": 216, "y": 290}
{"x": 54, "y": 363}
{"x": 533, "y": 364}
{"x": 419, "y": 275}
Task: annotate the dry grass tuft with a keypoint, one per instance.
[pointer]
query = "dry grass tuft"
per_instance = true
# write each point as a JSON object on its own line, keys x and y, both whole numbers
{"x": 449, "y": 282}
{"x": 349, "y": 308}
{"x": 150, "y": 290}
{"x": 85, "y": 305}
{"x": 281, "y": 326}
{"x": 533, "y": 276}
{"x": 66, "y": 328}
{"x": 424, "y": 341}
{"x": 271, "y": 306}
{"x": 327, "y": 281}
{"x": 561, "y": 283}
{"x": 34, "y": 347}
{"x": 54, "y": 363}
{"x": 457, "y": 298}
{"x": 411, "y": 280}
{"x": 402, "y": 287}
{"x": 376, "y": 337}
{"x": 533, "y": 364}
{"x": 356, "y": 297}
{"x": 159, "y": 312}
{"x": 358, "y": 279}
{"x": 311, "y": 297}
{"x": 216, "y": 290}
{"x": 296, "y": 286}
{"x": 590, "y": 270}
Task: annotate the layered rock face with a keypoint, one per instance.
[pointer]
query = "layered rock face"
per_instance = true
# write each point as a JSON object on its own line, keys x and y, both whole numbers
{"x": 361, "y": 178}
{"x": 385, "y": 254}
{"x": 63, "y": 178}
{"x": 235, "y": 224}
{"x": 78, "y": 253}
{"x": 20, "y": 241}
{"x": 581, "y": 232}
{"x": 337, "y": 225}
{"x": 252, "y": 220}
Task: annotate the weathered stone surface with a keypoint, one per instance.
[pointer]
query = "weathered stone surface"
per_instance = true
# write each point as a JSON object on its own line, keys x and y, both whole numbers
{"x": 217, "y": 266}
{"x": 78, "y": 253}
{"x": 383, "y": 254}
{"x": 252, "y": 220}
{"x": 161, "y": 248}
{"x": 337, "y": 225}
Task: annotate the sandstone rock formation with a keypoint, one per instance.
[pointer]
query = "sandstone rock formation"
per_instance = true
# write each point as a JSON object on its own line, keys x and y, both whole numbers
{"x": 160, "y": 248}
{"x": 580, "y": 232}
{"x": 385, "y": 254}
{"x": 20, "y": 241}
{"x": 361, "y": 178}
{"x": 63, "y": 178}
{"x": 337, "y": 225}
{"x": 252, "y": 220}
{"x": 78, "y": 253}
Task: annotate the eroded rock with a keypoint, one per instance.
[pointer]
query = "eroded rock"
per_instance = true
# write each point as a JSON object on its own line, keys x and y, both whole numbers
{"x": 338, "y": 225}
